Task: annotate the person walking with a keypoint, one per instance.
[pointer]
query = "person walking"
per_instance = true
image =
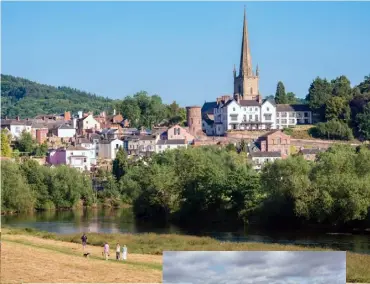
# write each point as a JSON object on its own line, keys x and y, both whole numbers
{"x": 118, "y": 251}
{"x": 84, "y": 241}
{"x": 106, "y": 251}
{"x": 124, "y": 252}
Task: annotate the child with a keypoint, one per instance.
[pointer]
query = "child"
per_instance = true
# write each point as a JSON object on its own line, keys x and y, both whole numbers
{"x": 84, "y": 241}
{"x": 124, "y": 252}
{"x": 106, "y": 251}
{"x": 118, "y": 251}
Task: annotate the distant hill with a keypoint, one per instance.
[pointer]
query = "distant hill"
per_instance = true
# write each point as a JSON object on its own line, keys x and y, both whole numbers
{"x": 24, "y": 98}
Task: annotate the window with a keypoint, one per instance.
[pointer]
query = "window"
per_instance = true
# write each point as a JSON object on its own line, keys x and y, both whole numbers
{"x": 84, "y": 160}
{"x": 292, "y": 114}
{"x": 278, "y": 114}
{"x": 251, "y": 90}
{"x": 117, "y": 146}
{"x": 234, "y": 118}
{"x": 306, "y": 114}
{"x": 250, "y": 117}
{"x": 286, "y": 151}
{"x": 250, "y": 109}
{"x": 268, "y": 109}
{"x": 268, "y": 116}
{"x": 283, "y": 114}
{"x": 256, "y": 117}
{"x": 233, "y": 109}
{"x": 283, "y": 121}
{"x": 244, "y": 118}
{"x": 256, "y": 109}
{"x": 160, "y": 147}
{"x": 277, "y": 121}
{"x": 168, "y": 146}
{"x": 17, "y": 129}
{"x": 245, "y": 109}
{"x": 291, "y": 121}
{"x": 174, "y": 131}
{"x": 71, "y": 153}
{"x": 278, "y": 141}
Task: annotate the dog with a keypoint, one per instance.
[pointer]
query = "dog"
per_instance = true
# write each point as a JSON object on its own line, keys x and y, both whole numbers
{"x": 86, "y": 254}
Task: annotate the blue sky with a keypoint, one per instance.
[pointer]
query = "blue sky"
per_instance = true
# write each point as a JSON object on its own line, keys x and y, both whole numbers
{"x": 183, "y": 51}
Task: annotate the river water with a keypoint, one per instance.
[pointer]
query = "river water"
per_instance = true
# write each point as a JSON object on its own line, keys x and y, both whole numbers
{"x": 123, "y": 221}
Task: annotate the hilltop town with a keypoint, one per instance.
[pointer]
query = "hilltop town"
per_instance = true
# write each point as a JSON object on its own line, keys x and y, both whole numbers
{"x": 268, "y": 128}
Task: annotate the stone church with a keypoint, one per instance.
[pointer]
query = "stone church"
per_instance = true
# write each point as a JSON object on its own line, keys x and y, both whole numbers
{"x": 245, "y": 109}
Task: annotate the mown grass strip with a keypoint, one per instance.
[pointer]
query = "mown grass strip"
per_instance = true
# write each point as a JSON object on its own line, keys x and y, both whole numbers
{"x": 68, "y": 252}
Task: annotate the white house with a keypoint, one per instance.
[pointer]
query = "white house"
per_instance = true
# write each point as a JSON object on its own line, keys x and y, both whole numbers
{"x": 290, "y": 115}
{"x": 260, "y": 158}
{"x": 78, "y": 157}
{"x": 16, "y": 127}
{"x": 64, "y": 131}
{"x": 108, "y": 148}
{"x": 88, "y": 124}
{"x": 163, "y": 145}
{"x": 91, "y": 147}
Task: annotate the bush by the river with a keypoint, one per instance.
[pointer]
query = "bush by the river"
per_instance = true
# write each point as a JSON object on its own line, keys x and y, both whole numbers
{"x": 28, "y": 186}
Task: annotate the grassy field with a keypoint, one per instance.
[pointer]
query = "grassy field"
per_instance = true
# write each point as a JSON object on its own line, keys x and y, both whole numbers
{"x": 51, "y": 253}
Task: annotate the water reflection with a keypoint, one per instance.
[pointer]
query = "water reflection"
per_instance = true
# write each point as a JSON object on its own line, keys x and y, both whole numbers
{"x": 123, "y": 221}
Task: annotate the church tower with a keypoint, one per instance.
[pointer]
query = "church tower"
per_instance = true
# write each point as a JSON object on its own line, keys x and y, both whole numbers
{"x": 246, "y": 83}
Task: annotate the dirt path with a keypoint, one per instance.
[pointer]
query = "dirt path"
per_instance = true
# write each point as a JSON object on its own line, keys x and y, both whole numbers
{"x": 31, "y": 259}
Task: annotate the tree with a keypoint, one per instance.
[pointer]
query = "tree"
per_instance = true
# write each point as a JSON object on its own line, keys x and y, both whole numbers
{"x": 26, "y": 143}
{"x": 342, "y": 88}
{"x": 6, "y": 150}
{"x": 333, "y": 129}
{"x": 280, "y": 95}
{"x": 16, "y": 195}
{"x": 364, "y": 86}
{"x": 120, "y": 164}
{"x": 338, "y": 108}
{"x": 319, "y": 93}
{"x": 291, "y": 98}
{"x": 363, "y": 121}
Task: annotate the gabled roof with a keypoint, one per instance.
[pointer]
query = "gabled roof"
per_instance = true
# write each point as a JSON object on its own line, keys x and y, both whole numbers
{"x": 288, "y": 108}
{"x": 208, "y": 107}
{"x": 269, "y": 100}
{"x": 172, "y": 142}
{"x": 66, "y": 126}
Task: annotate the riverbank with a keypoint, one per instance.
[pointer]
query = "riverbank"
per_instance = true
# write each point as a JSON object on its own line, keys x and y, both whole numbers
{"x": 144, "y": 252}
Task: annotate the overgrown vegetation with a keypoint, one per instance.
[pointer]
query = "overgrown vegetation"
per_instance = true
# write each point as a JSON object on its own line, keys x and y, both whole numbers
{"x": 29, "y": 186}
{"x": 218, "y": 184}
{"x": 344, "y": 112}
{"x": 207, "y": 184}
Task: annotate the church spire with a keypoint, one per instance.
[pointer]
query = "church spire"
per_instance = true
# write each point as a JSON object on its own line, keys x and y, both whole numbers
{"x": 245, "y": 58}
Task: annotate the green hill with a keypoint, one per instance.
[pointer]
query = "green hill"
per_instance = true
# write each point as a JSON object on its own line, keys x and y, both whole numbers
{"x": 24, "y": 98}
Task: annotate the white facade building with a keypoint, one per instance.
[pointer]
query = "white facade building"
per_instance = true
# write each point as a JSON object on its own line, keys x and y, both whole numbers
{"x": 65, "y": 131}
{"x": 252, "y": 115}
{"x": 78, "y": 157}
{"x": 109, "y": 148}
{"x": 163, "y": 145}
{"x": 259, "y": 159}
{"x": 16, "y": 127}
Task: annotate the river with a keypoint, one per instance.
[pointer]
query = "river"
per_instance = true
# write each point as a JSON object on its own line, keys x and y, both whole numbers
{"x": 123, "y": 221}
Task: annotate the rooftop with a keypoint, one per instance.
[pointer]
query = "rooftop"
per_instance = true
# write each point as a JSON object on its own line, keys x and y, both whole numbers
{"x": 265, "y": 154}
{"x": 288, "y": 108}
{"x": 172, "y": 142}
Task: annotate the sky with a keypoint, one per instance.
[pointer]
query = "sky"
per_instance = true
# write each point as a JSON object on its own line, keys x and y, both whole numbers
{"x": 257, "y": 267}
{"x": 182, "y": 51}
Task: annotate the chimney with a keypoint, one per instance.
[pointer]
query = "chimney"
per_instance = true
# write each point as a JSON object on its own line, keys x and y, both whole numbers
{"x": 17, "y": 118}
{"x": 114, "y": 112}
{"x": 67, "y": 116}
{"x": 80, "y": 114}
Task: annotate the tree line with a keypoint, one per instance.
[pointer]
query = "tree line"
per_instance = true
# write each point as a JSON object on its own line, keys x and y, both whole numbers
{"x": 209, "y": 183}
{"x": 206, "y": 184}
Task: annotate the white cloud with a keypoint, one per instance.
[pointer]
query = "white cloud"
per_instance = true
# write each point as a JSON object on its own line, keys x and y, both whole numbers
{"x": 274, "y": 267}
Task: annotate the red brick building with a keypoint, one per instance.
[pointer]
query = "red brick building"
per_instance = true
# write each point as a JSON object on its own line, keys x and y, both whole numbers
{"x": 275, "y": 141}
